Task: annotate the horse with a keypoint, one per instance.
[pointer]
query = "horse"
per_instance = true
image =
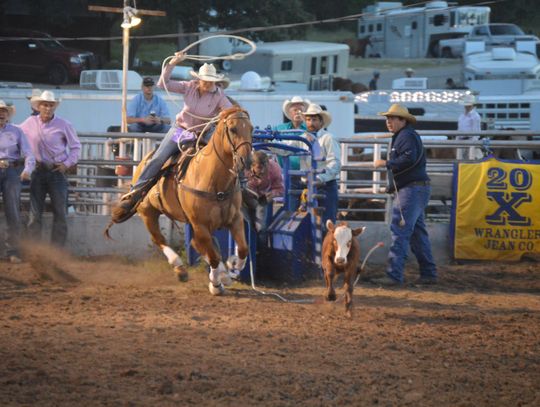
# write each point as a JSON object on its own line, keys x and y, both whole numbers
{"x": 208, "y": 197}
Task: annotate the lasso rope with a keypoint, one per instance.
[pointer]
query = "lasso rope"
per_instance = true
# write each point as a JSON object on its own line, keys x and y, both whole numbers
{"x": 240, "y": 55}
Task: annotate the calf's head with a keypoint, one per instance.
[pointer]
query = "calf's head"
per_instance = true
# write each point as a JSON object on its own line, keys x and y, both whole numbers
{"x": 342, "y": 240}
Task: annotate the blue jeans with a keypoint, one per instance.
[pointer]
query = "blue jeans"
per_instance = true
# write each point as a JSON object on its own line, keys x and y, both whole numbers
{"x": 413, "y": 201}
{"x": 166, "y": 149}
{"x": 10, "y": 186}
{"x": 330, "y": 202}
{"x": 55, "y": 184}
{"x": 145, "y": 128}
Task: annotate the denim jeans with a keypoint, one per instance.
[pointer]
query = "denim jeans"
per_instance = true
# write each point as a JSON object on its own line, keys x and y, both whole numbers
{"x": 10, "y": 186}
{"x": 55, "y": 184}
{"x": 145, "y": 128}
{"x": 413, "y": 201}
{"x": 166, "y": 149}
{"x": 330, "y": 202}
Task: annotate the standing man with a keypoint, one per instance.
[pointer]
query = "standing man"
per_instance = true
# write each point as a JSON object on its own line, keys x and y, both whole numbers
{"x": 317, "y": 120}
{"x": 409, "y": 72}
{"x": 373, "y": 81}
{"x": 407, "y": 164}
{"x": 148, "y": 112}
{"x": 16, "y": 164}
{"x": 56, "y": 148}
{"x": 469, "y": 121}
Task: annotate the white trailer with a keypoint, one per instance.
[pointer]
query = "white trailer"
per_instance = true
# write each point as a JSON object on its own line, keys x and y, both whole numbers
{"x": 392, "y": 31}
{"x": 312, "y": 63}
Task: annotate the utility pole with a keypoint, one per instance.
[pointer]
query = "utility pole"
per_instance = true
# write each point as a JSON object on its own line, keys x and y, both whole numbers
{"x": 130, "y": 20}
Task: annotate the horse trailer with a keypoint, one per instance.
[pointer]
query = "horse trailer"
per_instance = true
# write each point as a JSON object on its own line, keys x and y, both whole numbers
{"x": 392, "y": 30}
{"x": 312, "y": 63}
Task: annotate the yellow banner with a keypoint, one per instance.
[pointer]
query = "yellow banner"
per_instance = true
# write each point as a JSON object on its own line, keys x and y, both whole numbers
{"x": 496, "y": 210}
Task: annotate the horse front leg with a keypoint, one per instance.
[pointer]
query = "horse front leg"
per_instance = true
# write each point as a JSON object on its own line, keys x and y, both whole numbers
{"x": 237, "y": 263}
{"x": 150, "y": 217}
{"x": 203, "y": 243}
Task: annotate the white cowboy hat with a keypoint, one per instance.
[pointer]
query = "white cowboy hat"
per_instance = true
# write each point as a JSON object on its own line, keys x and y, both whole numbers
{"x": 409, "y": 70}
{"x": 314, "y": 109}
{"x": 208, "y": 73}
{"x": 46, "y": 96}
{"x": 10, "y": 109}
{"x": 35, "y": 92}
{"x": 294, "y": 100}
{"x": 468, "y": 100}
{"x": 400, "y": 111}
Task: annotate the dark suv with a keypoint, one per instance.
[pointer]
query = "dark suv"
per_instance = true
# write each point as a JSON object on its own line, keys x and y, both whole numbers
{"x": 35, "y": 55}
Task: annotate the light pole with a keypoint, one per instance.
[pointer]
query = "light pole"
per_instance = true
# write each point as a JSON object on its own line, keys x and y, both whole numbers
{"x": 130, "y": 20}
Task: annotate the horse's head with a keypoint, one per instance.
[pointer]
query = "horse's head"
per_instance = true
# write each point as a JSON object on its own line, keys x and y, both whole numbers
{"x": 236, "y": 129}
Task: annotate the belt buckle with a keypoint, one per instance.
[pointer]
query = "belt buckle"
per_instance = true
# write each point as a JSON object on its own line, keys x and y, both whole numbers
{"x": 4, "y": 164}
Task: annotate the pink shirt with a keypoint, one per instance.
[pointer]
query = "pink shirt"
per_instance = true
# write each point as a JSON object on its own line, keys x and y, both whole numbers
{"x": 54, "y": 142}
{"x": 14, "y": 146}
{"x": 207, "y": 105}
{"x": 271, "y": 182}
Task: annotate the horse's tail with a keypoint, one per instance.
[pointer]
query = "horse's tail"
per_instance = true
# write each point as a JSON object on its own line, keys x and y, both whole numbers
{"x": 106, "y": 231}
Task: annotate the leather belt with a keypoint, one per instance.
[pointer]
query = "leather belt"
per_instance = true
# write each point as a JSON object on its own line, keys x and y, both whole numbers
{"x": 418, "y": 184}
{"x": 10, "y": 163}
{"x": 40, "y": 165}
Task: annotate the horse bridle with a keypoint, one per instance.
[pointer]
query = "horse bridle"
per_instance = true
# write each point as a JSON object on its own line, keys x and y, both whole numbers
{"x": 242, "y": 116}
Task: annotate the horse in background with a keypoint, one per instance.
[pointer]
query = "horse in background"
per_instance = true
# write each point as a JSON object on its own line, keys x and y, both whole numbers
{"x": 208, "y": 197}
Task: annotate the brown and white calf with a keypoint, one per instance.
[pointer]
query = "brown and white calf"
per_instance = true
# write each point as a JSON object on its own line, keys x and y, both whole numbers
{"x": 341, "y": 254}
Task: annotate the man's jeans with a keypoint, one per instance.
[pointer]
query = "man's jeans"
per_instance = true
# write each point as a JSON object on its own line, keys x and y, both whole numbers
{"x": 145, "y": 128}
{"x": 413, "y": 201}
{"x": 10, "y": 186}
{"x": 55, "y": 184}
{"x": 330, "y": 202}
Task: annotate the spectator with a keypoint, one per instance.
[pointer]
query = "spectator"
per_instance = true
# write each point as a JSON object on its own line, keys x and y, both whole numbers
{"x": 264, "y": 183}
{"x": 16, "y": 164}
{"x": 373, "y": 81}
{"x": 293, "y": 109}
{"x": 450, "y": 84}
{"x": 469, "y": 121}
{"x": 316, "y": 122}
{"x": 409, "y": 72}
{"x": 203, "y": 100}
{"x": 407, "y": 164}
{"x": 148, "y": 112}
{"x": 56, "y": 147}
{"x": 35, "y": 92}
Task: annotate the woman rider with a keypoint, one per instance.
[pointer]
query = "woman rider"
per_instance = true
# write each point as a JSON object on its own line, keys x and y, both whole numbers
{"x": 203, "y": 100}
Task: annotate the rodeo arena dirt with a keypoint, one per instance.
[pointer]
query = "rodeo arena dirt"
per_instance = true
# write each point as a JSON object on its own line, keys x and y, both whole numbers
{"x": 112, "y": 332}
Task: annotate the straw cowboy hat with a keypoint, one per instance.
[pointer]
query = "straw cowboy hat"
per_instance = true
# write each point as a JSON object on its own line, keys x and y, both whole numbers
{"x": 35, "y": 92}
{"x": 400, "y": 111}
{"x": 294, "y": 100}
{"x": 314, "y": 109}
{"x": 46, "y": 96}
{"x": 10, "y": 109}
{"x": 468, "y": 100}
{"x": 208, "y": 73}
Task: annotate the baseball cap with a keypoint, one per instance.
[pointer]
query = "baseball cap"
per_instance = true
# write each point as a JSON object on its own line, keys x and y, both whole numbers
{"x": 148, "y": 81}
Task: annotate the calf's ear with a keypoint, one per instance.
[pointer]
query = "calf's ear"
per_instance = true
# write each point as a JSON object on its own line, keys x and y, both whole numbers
{"x": 329, "y": 225}
{"x": 358, "y": 231}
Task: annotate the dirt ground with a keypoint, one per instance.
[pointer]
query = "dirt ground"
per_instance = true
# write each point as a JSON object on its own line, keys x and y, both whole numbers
{"x": 113, "y": 332}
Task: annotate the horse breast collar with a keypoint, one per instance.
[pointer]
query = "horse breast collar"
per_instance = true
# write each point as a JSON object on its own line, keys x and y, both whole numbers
{"x": 217, "y": 196}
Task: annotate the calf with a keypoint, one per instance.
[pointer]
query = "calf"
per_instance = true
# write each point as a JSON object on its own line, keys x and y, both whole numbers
{"x": 341, "y": 254}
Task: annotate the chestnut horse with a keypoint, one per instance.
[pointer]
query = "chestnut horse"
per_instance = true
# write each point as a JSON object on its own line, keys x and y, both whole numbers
{"x": 208, "y": 197}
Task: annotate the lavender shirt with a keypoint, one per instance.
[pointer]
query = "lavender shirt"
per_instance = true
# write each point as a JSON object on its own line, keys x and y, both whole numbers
{"x": 54, "y": 142}
{"x": 14, "y": 146}
{"x": 207, "y": 105}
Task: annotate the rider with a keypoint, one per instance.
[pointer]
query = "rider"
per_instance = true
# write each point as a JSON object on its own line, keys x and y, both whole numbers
{"x": 203, "y": 100}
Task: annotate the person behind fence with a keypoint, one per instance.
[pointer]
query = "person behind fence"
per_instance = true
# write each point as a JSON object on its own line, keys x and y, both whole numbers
{"x": 407, "y": 164}
{"x": 264, "y": 184}
{"x": 16, "y": 164}
{"x": 292, "y": 110}
{"x": 56, "y": 147}
{"x": 409, "y": 73}
{"x": 469, "y": 121}
{"x": 317, "y": 120}
{"x": 148, "y": 112}
{"x": 373, "y": 81}
{"x": 203, "y": 100}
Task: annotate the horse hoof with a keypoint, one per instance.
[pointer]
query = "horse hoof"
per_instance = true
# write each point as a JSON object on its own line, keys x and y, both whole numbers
{"x": 225, "y": 278}
{"x": 181, "y": 273}
{"x": 219, "y": 290}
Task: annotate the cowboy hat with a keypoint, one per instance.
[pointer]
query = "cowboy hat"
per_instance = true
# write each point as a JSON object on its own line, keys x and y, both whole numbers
{"x": 35, "y": 92}
{"x": 208, "y": 73}
{"x": 409, "y": 70}
{"x": 314, "y": 109}
{"x": 294, "y": 100}
{"x": 399, "y": 111}
{"x": 46, "y": 96}
{"x": 10, "y": 109}
{"x": 468, "y": 100}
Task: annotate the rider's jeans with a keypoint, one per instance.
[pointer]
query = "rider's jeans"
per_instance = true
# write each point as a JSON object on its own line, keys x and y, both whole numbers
{"x": 413, "y": 201}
